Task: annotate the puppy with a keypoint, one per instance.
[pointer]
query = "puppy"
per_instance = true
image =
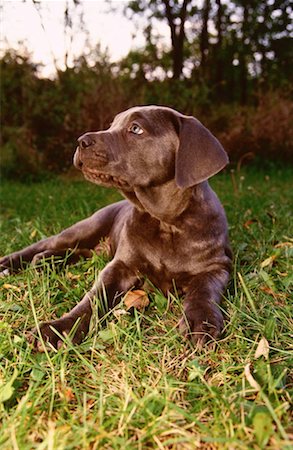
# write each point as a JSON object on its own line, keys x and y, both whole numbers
{"x": 170, "y": 229}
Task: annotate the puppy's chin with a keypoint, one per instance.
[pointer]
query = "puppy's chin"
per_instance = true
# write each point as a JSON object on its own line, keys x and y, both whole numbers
{"x": 77, "y": 160}
{"x": 105, "y": 179}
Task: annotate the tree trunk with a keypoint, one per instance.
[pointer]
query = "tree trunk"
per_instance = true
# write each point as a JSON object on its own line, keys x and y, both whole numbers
{"x": 204, "y": 37}
{"x": 219, "y": 48}
{"x": 243, "y": 56}
{"x": 177, "y": 36}
{"x": 262, "y": 45}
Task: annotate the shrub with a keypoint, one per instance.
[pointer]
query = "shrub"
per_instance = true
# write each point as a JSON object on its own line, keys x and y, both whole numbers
{"x": 264, "y": 131}
{"x": 19, "y": 158}
{"x": 41, "y": 118}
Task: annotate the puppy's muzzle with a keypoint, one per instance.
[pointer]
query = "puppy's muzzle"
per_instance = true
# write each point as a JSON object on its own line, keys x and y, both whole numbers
{"x": 90, "y": 152}
{"x": 77, "y": 159}
{"x": 86, "y": 140}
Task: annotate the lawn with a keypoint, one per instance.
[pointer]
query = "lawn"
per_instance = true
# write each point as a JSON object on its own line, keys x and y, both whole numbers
{"x": 135, "y": 383}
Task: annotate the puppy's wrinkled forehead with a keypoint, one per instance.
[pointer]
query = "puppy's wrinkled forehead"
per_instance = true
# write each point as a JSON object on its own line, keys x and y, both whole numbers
{"x": 153, "y": 119}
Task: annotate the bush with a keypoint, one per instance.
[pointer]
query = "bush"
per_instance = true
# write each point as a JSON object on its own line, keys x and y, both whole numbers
{"x": 19, "y": 158}
{"x": 263, "y": 132}
{"x": 271, "y": 127}
{"x": 41, "y": 118}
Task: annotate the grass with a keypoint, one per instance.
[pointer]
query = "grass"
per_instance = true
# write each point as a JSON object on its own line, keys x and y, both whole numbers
{"x": 136, "y": 383}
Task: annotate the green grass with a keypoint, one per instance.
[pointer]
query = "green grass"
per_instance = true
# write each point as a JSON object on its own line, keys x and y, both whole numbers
{"x": 136, "y": 383}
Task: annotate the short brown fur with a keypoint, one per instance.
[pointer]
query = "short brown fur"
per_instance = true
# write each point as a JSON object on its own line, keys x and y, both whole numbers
{"x": 171, "y": 229}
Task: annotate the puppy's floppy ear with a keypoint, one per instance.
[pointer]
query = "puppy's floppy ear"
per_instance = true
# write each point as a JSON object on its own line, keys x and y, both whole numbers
{"x": 199, "y": 156}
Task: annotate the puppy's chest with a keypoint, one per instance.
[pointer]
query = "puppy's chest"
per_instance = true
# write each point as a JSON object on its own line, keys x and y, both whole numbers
{"x": 158, "y": 247}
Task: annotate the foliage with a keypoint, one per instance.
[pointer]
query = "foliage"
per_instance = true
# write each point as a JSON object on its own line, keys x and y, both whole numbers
{"x": 227, "y": 63}
{"x": 135, "y": 383}
{"x": 261, "y": 133}
{"x": 53, "y": 114}
{"x": 232, "y": 45}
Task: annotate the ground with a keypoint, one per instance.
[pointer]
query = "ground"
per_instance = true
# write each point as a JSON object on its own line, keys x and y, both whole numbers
{"x": 135, "y": 383}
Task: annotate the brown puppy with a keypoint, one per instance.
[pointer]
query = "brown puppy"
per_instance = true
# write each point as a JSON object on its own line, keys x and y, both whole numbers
{"x": 171, "y": 229}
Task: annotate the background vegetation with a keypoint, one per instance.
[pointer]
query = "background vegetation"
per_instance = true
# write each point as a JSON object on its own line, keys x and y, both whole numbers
{"x": 228, "y": 63}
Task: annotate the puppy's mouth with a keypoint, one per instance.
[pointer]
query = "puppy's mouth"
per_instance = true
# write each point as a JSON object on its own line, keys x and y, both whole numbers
{"x": 104, "y": 179}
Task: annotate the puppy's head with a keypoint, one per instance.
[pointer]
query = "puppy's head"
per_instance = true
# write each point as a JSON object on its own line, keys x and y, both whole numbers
{"x": 148, "y": 146}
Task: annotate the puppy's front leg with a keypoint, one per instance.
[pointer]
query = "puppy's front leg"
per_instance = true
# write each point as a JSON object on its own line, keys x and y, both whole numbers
{"x": 202, "y": 320}
{"x": 80, "y": 238}
{"x": 112, "y": 282}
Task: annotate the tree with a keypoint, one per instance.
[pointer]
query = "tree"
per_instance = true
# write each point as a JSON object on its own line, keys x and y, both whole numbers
{"x": 219, "y": 44}
{"x": 204, "y": 35}
{"x": 263, "y": 42}
{"x": 176, "y": 13}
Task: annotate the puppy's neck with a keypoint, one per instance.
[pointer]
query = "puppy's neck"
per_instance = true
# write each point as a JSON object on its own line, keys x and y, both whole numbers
{"x": 165, "y": 202}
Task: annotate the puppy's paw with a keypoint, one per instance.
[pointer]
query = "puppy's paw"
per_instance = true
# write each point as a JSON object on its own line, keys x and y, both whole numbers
{"x": 6, "y": 263}
{"x": 10, "y": 264}
{"x": 53, "y": 331}
{"x": 4, "y": 273}
{"x": 201, "y": 326}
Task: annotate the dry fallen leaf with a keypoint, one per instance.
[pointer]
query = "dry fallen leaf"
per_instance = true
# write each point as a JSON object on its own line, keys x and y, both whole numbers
{"x": 284, "y": 244}
{"x": 136, "y": 299}
{"x": 33, "y": 233}
{"x": 10, "y": 286}
{"x": 248, "y": 223}
{"x": 253, "y": 383}
{"x": 268, "y": 290}
{"x": 71, "y": 276}
{"x": 268, "y": 261}
{"x": 282, "y": 274}
{"x": 69, "y": 394}
{"x": 274, "y": 294}
{"x": 262, "y": 349}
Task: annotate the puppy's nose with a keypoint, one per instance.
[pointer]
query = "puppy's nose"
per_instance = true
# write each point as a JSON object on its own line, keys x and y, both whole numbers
{"x": 86, "y": 141}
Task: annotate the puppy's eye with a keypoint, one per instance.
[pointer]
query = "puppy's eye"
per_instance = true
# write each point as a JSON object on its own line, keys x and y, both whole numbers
{"x": 134, "y": 128}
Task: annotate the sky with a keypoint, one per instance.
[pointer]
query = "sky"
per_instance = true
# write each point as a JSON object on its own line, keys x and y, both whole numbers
{"x": 21, "y": 23}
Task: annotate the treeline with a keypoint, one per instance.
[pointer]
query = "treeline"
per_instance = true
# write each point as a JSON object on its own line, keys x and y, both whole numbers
{"x": 228, "y": 63}
{"x": 232, "y": 47}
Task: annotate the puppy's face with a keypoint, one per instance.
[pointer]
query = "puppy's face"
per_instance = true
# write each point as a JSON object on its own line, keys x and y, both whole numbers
{"x": 137, "y": 150}
{"x": 147, "y": 146}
